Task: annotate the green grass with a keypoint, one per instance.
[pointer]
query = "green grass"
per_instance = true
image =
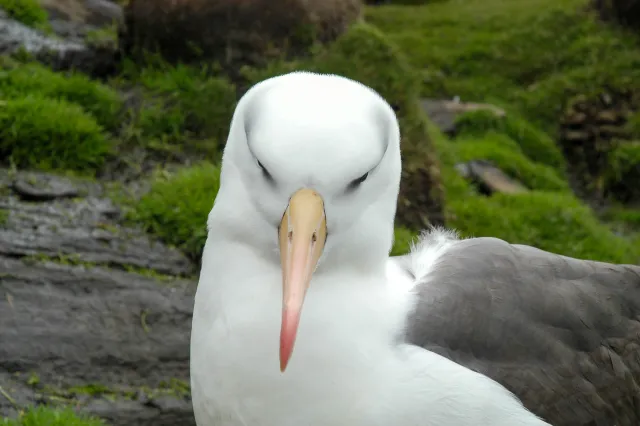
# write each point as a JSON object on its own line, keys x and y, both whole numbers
{"x": 50, "y": 134}
{"x": 28, "y": 12}
{"x": 531, "y": 54}
{"x": 182, "y": 106}
{"x": 555, "y": 221}
{"x": 532, "y": 141}
{"x": 45, "y": 416}
{"x": 176, "y": 207}
{"x": 623, "y": 174}
{"x": 504, "y": 153}
{"x": 97, "y": 99}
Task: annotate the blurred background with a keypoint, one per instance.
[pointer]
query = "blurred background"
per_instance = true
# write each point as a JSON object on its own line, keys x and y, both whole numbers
{"x": 520, "y": 120}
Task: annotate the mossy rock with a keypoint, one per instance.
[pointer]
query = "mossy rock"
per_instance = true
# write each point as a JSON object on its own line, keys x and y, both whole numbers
{"x": 42, "y": 415}
{"x": 176, "y": 208}
{"x": 364, "y": 54}
{"x": 231, "y": 32}
{"x": 534, "y": 143}
{"x": 507, "y": 155}
{"x": 45, "y": 133}
{"x": 623, "y": 175}
{"x": 104, "y": 103}
{"x": 28, "y": 12}
{"x": 555, "y": 222}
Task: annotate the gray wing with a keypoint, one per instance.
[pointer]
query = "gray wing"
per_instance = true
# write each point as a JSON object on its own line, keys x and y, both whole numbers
{"x": 562, "y": 334}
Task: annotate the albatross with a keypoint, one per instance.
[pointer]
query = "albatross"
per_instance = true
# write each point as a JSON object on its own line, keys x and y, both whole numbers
{"x": 302, "y": 318}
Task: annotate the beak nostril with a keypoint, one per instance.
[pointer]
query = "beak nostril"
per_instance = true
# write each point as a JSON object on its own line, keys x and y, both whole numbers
{"x": 290, "y": 236}
{"x": 314, "y": 237}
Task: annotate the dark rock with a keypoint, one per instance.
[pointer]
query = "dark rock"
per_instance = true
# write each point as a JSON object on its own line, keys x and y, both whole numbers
{"x": 38, "y": 187}
{"x": 73, "y": 326}
{"x": 81, "y": 230}
{"x": 488, "y": 178}
{"x": 106, "y": 341}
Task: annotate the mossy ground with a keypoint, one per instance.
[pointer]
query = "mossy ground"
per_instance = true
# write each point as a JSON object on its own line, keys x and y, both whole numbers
{"x": 530, "y": 54}
{"x": 28, "y": 12}
{"x": 46, "y": 416}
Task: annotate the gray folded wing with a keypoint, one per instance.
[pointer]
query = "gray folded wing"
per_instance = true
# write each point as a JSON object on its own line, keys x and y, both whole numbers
{"x": 562, "y": 334}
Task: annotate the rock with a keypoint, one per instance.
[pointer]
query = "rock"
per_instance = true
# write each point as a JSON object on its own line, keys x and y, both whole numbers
{"x": 77, "y": 326}
{"x": 231, "y": 32}
{"x": 443, "y": 113}
{"x": 68, "y": 51}
{"x": 95, "y": 13}
{"x": 80, "y": 230}
{"x": 489, "y": 178}
{"x": 43, "y": 187}
{"x": 590, "y": 129}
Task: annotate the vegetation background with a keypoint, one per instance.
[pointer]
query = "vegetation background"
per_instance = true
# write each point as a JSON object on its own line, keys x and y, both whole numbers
{"x": 563, "y": 74}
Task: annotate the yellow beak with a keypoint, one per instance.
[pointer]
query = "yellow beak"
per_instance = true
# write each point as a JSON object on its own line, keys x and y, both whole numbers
{"x": 302, "y": 235}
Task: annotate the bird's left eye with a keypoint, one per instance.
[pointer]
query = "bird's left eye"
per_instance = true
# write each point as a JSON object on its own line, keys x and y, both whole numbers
{"x": 356, "y": 182}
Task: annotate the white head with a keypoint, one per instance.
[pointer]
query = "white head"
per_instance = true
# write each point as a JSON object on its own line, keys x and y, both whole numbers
{"x": 313, "y": 163}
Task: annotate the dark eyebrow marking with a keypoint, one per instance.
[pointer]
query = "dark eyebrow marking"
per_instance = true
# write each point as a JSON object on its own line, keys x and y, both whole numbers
{"x": 354, "y": 184}
{"x": 266, "y": 173}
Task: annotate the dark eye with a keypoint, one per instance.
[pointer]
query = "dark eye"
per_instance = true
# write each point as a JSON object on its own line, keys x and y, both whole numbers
{"x": 356, "y": 182}
{"x": 265, "y": 172}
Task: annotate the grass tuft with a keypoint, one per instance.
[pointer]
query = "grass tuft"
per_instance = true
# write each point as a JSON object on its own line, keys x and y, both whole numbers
{"x": 104, "y": 103}
{"x": 44, "y": 133}
{"x": 182, "y": 106}
{"x": 176, "y": 208}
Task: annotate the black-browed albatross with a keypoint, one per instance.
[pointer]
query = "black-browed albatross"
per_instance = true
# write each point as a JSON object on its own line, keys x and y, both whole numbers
{"x": 444, "y": 336}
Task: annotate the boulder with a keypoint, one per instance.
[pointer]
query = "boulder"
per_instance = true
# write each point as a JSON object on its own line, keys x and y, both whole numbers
{"x": 232, "y": 32}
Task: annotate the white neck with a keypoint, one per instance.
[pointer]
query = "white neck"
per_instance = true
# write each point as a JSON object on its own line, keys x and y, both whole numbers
{"x": 347, "y": 369}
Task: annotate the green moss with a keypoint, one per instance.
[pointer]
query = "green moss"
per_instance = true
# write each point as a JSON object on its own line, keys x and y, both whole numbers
{"x": 176, "y": 208}
{"x": 4, "y": 217}
{"x": 534, "y": 143}
{"x": 633, "y": 125}
{"x": 182, "y": 106}
{"x": 553, "y": 221}
{"x": 45, "y": 416}
{"x": 50, "y": 134}
{"x": 29, "y": 12}
{"x": 533, "y": 55}
{"x": 506, "y": 155}
{"x": 101, "y": 101}
{"x": 550, "y": 221}
{"x": 623, "y": 174}
{"x": 625, "y": 159}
